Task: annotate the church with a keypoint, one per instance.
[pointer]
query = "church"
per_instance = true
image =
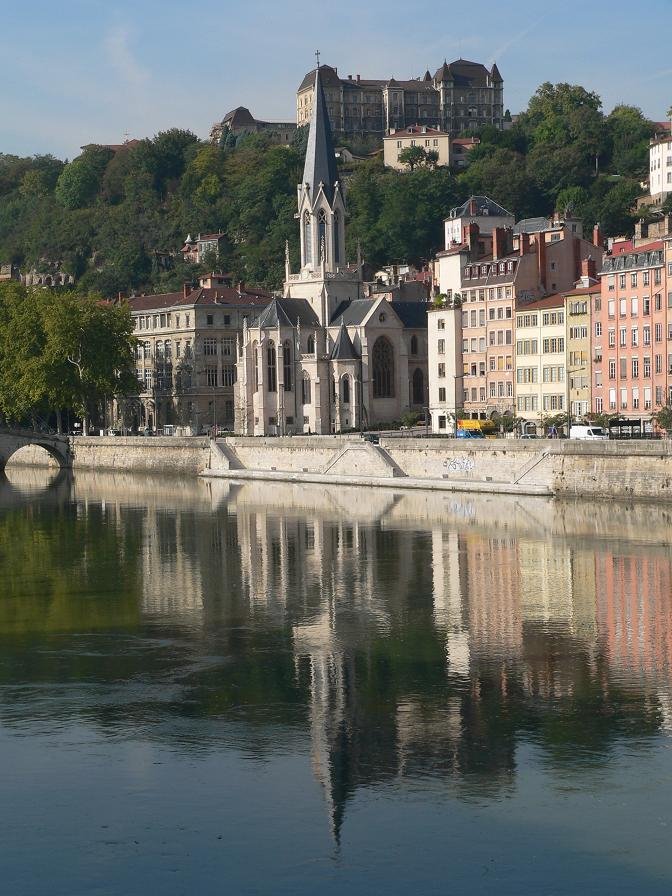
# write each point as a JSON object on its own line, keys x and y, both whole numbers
{"x": 328, "y": 357}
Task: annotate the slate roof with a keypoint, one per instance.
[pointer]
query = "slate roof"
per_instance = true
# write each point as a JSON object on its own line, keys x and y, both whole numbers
{"x": 534, "y": 225}
{"x": 320, "y": 164}
{"x": 352, "y": 313}
{"x": 475, "y": 205}
{"x": 466, "y": 74}
{"x": 221, "y": 295}
{"x": 286, "y": 312}
{"x": 413, "y": 315}
{"x": 343, "y": 349}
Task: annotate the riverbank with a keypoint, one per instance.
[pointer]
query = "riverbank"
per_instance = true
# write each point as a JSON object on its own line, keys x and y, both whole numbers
{"x": 639, "y": 470}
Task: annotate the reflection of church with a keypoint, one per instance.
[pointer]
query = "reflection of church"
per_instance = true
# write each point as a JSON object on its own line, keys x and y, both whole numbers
{"x": 324, "y": 358}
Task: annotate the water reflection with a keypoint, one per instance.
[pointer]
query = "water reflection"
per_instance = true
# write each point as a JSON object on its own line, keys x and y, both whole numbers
{"x": 398, "y": 637}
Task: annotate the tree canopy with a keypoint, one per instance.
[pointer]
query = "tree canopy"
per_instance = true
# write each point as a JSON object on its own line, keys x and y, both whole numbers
{"x": 112, "y": 216}
{"x": 61, "y": 351}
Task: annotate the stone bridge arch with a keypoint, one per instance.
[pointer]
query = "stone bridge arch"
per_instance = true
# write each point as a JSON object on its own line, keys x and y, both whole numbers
{"x": 12, "y": 440}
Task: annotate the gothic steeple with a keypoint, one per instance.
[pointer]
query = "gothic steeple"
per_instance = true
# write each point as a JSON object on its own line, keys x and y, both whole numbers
{"x": 321, "y": 202}
{"x": 320, "y": 165}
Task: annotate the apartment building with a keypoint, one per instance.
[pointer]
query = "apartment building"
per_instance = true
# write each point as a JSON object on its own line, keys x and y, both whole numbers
{"x": 494, "y": 273}
{"x": 579, "y": 304}
{"x": 660, "y": 167}
{"x": 186, "y": 356}
{"x": 540, "y": 389}
{"x": 444, "y": 335}
{"x": 632, "y": 336}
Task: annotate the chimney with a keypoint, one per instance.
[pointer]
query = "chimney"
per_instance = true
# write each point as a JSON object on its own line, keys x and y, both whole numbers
{"x": 349, "y": 77}
{"x": 498, "y": 243}
{"x": 524, "y": 244}
{"x": 541, "y": 260}
{"x": 589, "y": 268}
{"x": 358, "y": 79}
{"x": 186, "y": 290}
{"x": 241, "y": 287}
{"x": 471, "y": 232}
{"x": 598, "y": 239}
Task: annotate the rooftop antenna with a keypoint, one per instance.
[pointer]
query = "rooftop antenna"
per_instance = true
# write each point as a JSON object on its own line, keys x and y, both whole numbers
{"x": 126, "y": 136}
{"x": 317, "y": 56}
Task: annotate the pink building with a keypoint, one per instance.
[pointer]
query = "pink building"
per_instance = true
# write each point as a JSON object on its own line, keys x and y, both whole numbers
{"x": 630, "y": 357}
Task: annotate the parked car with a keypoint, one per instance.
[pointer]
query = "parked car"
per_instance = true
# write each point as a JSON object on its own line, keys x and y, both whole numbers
{"x": 589, "y": 433}
{"x": 469, "y": 434}
{"x": 372, "y": 437}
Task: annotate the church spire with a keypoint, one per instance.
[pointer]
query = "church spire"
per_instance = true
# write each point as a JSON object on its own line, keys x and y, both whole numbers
{"x": 320, "y": 165}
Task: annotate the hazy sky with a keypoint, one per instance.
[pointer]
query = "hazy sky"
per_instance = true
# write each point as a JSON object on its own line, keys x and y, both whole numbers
{"x": 82, "y": 71}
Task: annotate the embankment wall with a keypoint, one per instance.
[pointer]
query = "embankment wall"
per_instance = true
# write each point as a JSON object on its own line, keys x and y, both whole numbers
{"x": 540, "y": 467}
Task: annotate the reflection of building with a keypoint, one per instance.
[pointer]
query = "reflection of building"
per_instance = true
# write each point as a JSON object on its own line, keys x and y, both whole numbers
{"x": 634, "y": 613}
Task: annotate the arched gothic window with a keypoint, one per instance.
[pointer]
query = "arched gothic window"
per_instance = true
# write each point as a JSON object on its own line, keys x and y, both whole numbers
{"x": 414, "y": 345}
{"x": 418, "y": 386}
{"x": 345, "y": 390}
{"x": 337, "y": 238}
{"x": 311, "y": 344}
{"x": 255, "y": 355}
{"x": 306, "y": 397}
{"x": 307, "y": 238}
{"x": 322, "y": 234}
{"x": 287, "y": 365}
{"x": 383, "y": 368}
{"x": 271, "y": 373}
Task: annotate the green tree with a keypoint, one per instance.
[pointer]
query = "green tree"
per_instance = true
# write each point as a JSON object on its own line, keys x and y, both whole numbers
{"x": 81, "y": 180}
{"x": 413, "y": 156}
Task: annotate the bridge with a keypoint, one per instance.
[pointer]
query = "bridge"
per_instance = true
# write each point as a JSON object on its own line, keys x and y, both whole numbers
{"x": 11, "y": 440}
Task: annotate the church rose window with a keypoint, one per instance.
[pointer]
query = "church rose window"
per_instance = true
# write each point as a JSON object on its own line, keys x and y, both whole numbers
{"x": 383, "y": 369}
{"x": 271, "y": 378}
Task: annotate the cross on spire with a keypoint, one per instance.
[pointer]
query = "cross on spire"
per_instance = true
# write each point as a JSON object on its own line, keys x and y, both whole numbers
{"x": 317, "y": 57}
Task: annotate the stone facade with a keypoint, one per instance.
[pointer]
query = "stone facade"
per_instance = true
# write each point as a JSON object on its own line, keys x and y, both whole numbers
{"x": 461, "y": 96}
{"x": 324, "y": 358}
{"x": 186, "y": 358}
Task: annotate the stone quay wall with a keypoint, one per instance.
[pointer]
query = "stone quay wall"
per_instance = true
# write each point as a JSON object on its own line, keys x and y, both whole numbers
{"x": 536, "y": 467}
{"x": 635, "y": 469}
{"x": 167, "y": 454}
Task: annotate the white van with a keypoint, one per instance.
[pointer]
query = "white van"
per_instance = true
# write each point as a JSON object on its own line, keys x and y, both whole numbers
{"x": 590, "y": 433}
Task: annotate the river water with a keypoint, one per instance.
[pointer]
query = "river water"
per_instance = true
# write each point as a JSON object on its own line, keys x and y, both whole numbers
{"x": 267, "y": 688}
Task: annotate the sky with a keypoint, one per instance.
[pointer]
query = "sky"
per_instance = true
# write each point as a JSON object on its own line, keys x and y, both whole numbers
{"x": 93, "y": 71}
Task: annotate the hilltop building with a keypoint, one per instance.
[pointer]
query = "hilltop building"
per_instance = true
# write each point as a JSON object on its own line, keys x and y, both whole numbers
{"x": 324, "y": 358}
{"x": 459, "y": 97}
{"x": 240, "y": 122}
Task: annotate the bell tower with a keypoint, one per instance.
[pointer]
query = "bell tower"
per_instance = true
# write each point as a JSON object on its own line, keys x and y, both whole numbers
{"x": 320, "y": 198}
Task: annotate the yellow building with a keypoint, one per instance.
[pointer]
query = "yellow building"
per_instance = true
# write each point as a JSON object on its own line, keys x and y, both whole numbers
{"x": 420, "y": 136}
{"x": 578, "y": 304}
{"x": 540, "y": 387}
